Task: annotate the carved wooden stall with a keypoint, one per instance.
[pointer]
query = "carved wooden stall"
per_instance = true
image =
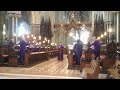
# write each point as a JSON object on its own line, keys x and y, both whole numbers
{"x": 91, "y": 70}
{"x": 67, "y": 28}
{"x": 3, "y": 54}
{"x": 9, "y": 57}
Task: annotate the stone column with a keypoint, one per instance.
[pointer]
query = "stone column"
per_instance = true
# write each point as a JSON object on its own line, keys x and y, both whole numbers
{"x": 92, "y": 28}
{"x": 33, "y": 27}
{"x": 113, "y": 24}
{"x": 117, "y": 32}
{"x": 58, "y": 35}
{"x": 55, "y": 36}
{"x": 4, "y": 31}
{"x": 9, "y": 27}
{"x": 16, "y": 29}
{"x": 110, "y": 24}
{"x": 12, "y": 17}
{"x": 107, "y": 20}
{"x": 13, "y": 28}
{"x": 66, "y": 40}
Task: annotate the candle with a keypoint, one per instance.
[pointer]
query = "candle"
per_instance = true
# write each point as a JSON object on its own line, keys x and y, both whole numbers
{"x": 34, "y": 38}
{"x": 28, "y": 36}
{"x": 48, "y": 41}
{"x": 4, "y": 29}
{"x": 32, "y": 35}
{"x": 39, "y": 37}
{"x": 45, "y": 38}
{"x": 43, "y": 41}
{"x": 14, "y": 34}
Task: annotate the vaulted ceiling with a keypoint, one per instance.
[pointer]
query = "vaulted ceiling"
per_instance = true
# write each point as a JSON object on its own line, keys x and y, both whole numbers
{"x": 79, "y": 15}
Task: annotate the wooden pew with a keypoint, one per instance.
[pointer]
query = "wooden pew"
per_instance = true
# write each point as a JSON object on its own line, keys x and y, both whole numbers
{"x": 106, "y": 63}
{"x": 1, "y": 59}
{"x": 88, "y": 58}
{"x": 4, "y": 55}
{"x": 91, "y": 71}
{"x": 114, "y": 71}
{"x": 70, "y": 59}
{"x": 88, "y": 54}
{"x": 35, "y": 58}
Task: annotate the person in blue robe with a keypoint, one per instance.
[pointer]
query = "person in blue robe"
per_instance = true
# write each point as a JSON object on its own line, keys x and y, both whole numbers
{"x": 23, "y": 45}
{"x": 60, "y": 52}
{"x": 96, "y": 48}
{"x": 78, "y": 48}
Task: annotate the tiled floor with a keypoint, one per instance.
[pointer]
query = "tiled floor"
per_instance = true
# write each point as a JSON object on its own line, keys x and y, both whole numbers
{"x": 52, "y": 69}
{"x": 26, "y": 76}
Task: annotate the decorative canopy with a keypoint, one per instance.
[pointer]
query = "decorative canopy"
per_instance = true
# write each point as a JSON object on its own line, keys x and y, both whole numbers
{"x": 72, "y": 24}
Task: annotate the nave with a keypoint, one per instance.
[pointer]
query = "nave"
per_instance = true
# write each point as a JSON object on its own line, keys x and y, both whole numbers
{"x": 51, "y": 69}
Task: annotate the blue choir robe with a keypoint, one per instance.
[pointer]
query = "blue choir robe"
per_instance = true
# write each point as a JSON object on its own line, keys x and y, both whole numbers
{"x": 23, "y": 45}
{"x": 96, "y": 49}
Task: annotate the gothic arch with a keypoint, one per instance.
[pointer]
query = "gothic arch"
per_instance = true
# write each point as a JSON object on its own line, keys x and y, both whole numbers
{"x": 25, "y": 17}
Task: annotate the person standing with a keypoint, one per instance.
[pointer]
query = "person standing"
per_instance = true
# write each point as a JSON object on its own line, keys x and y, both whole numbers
{"x": 10, "y": 44}
{"x": 112, "y": 48}
{"x": 78, "y": 48}
{"x": 96, "y": 48}
{"x": 23, "y": 45}
{"x": 60, "y": 52}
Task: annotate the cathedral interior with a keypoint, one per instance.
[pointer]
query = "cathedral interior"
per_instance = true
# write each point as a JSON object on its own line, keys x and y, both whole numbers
{"x": 43, "y": 31}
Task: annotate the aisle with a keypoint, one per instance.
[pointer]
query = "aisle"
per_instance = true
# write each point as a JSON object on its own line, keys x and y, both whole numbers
{"x": 53, "y": 67}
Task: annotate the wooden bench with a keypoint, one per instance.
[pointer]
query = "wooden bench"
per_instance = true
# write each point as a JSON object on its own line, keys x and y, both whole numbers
{"x": 106, "y": 63}
{"x": 88, "y": 54}
{"x": 91, "y": 71}
{"x": 88, "y": 58}
{"x": 114, "y": 71}
{"x": 3, "y": 55}
{"x": 35, "y": 58}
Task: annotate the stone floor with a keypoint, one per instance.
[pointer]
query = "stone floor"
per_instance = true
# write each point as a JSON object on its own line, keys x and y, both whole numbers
{"x": 51, "y": 69}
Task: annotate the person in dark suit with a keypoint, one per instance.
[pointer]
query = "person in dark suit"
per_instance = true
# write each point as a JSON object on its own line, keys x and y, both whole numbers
{"x": 78, "y": 48}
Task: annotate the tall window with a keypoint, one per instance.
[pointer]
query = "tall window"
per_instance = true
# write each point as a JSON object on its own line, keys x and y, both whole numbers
{"x": 84, "y": 35}
{"x": 23, "y": 29}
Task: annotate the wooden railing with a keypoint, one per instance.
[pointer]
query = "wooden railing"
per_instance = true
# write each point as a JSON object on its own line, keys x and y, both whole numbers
{"x": 91, "y": 71}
